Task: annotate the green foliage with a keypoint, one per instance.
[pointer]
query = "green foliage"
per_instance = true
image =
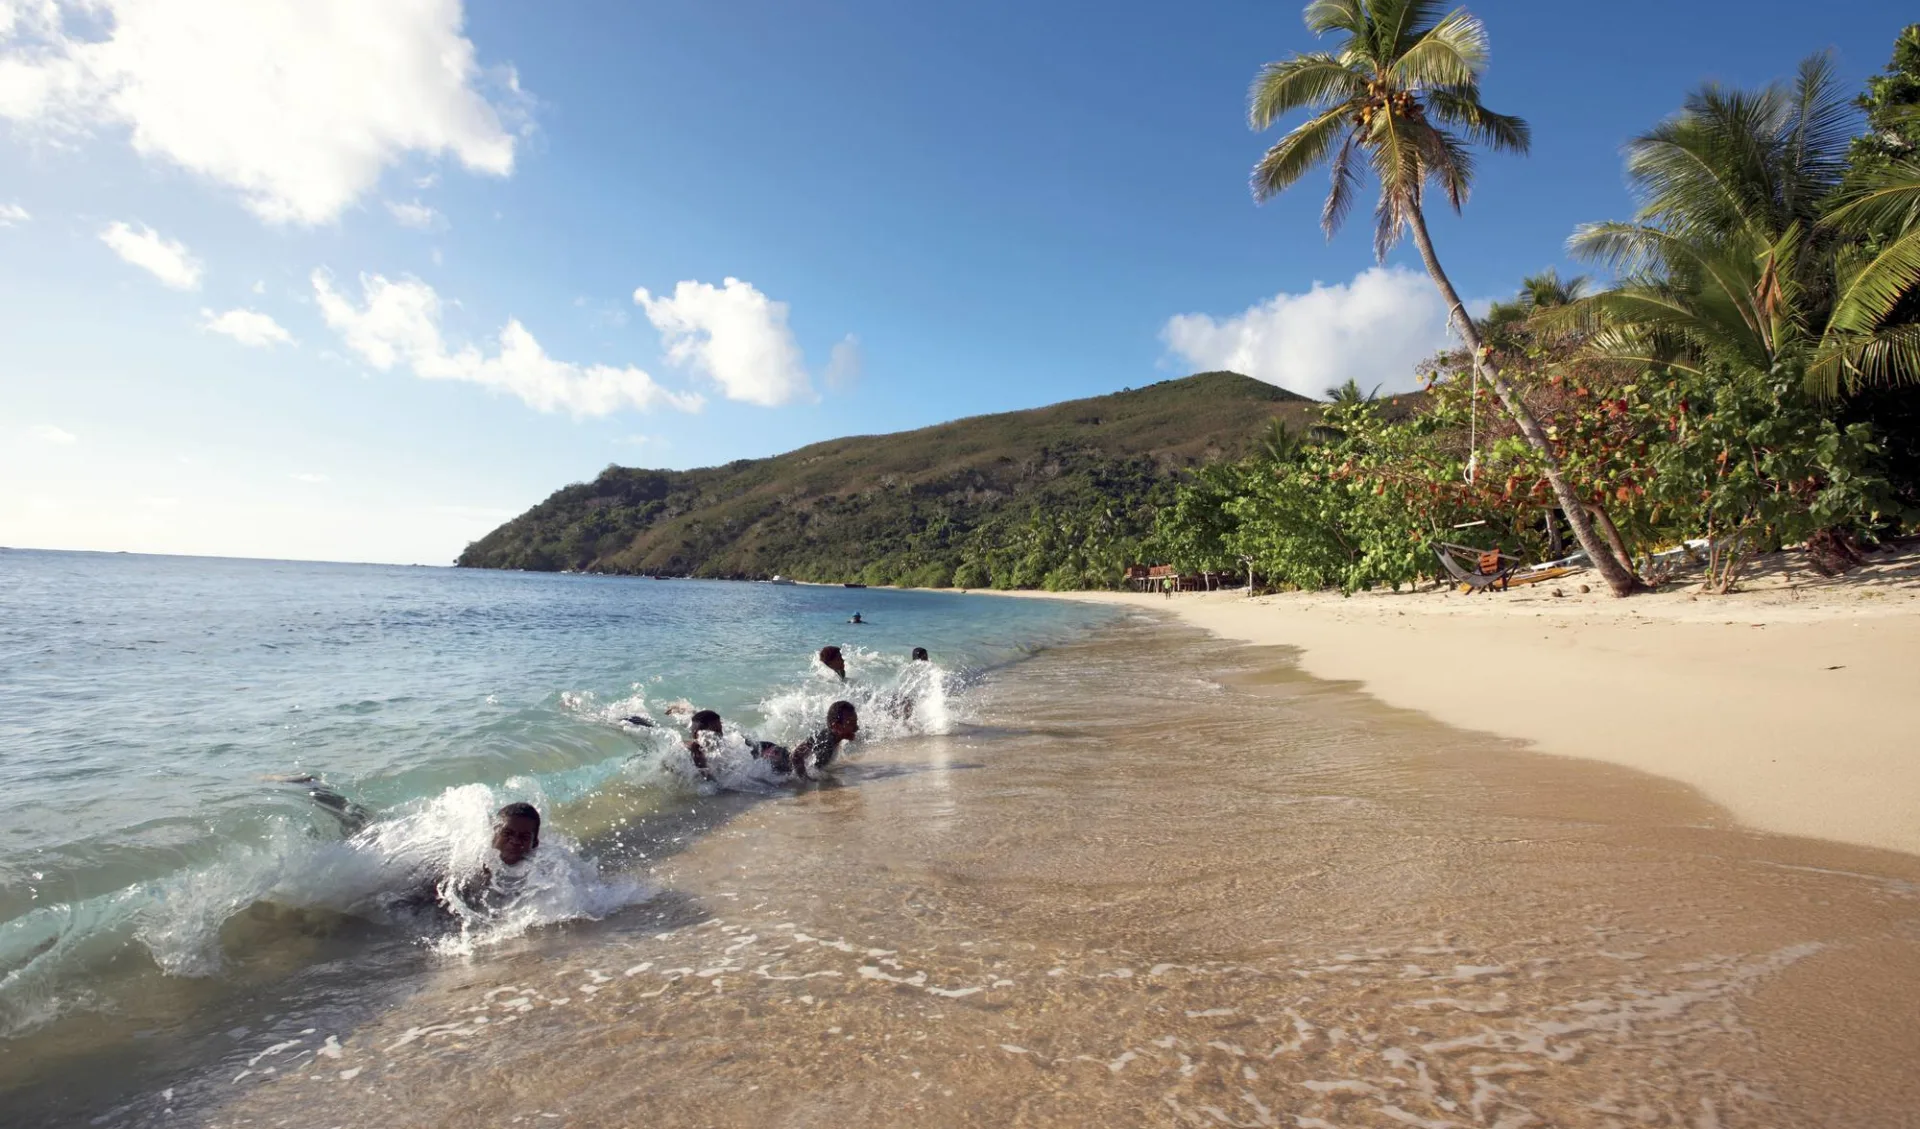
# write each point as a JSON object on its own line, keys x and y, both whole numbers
{"x": 1749, "y": 462}
{"x": 1338, "y": 513}
{"x": 1892, "y": 106}
{"x": 1061, "y": 496}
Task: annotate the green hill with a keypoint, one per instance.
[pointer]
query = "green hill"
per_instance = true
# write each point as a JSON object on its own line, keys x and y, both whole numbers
{"x": 1060, "y": 496}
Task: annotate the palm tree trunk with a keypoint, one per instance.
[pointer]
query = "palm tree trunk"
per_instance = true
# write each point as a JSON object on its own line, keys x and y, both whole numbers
{"x": 1620, "y": 579}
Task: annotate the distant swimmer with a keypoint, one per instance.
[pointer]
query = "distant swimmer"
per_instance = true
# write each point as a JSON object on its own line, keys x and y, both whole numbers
{"x": 856, "y": 619}
{"x": 830, "y": 658}
{"x": 843, "y": 725}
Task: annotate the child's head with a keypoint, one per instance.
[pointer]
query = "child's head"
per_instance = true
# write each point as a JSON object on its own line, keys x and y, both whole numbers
{"x": 831, "y": 659}
{"x": 516, "y": 832}
{"x": 843, "y": 721}
{"x": 920, "y": 654}
{"x": 706, "y": 721}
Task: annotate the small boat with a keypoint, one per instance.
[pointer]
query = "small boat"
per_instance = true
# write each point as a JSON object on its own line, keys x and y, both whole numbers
{"x": 852, "y": 584}
{"x": 780, "y": 580}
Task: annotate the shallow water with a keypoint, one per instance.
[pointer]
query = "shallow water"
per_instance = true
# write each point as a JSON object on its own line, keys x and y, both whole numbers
{"x": 162, "y": 899}
{"x": 1153, "y": 879}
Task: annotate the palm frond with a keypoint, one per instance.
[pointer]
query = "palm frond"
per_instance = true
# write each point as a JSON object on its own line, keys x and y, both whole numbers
{"x": 1880, "y": 201}
{"x": 1396, "y": 160}
{"x": 1399, "y": 24}
{"x": 1449, "y": 165}
{"x": 1851, "y": 361}
{"x": 1289, "y": 159}
{"x": 1346, "y": 179}
{"x": 1325, "y": 16}
{"x": 1318, "y": 80}
{"x": 1638, "y": 345}
{"x": 1459, "y": 107}
{"x": 1626, "y": 248}
{"x": 1698, "y": 173}
{"x": 1871, "y": 292}
{"x": 1820, "y": 125}
{"x": 1452, "y": 52}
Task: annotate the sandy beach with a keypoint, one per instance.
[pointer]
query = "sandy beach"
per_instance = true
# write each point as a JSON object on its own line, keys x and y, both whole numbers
{"x": 1788, "y": 703}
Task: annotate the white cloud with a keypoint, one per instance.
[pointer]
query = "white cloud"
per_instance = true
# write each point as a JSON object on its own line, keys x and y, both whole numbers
{"x": 248, "y": 327}
{"x": 11, "y": 214}
{"x": 844, "y": 365}
{"x": 166, "y": 259}
{"x": 60, "y": 436}
{"x": 260, "y": 286}
{"x": 398, "y": 324}
{"x": 310, "y": 478}
{"x": 297, "y": 104}
{"x": 414, "y": 214}
{"x": 733, "y": 334}
{"x": 1373, "y": 330}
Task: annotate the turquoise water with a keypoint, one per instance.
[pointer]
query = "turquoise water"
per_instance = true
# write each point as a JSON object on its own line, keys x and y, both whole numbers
{"x": 145, "y": 703}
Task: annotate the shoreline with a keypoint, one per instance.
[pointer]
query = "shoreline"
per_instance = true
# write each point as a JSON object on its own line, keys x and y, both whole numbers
{"x": 1788, "y": 704}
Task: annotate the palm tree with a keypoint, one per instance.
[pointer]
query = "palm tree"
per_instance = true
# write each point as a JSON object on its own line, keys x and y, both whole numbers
{"x": 1401, "y": 96}
{"x": 1349, "y": 393}
{"x": 1738, "y": 253}
{"x": 1279, "y": 444}
{"x": 1538, "y": 293}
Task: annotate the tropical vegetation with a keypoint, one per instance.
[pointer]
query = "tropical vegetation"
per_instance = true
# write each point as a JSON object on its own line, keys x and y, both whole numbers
{"x": 1744, "y": 379}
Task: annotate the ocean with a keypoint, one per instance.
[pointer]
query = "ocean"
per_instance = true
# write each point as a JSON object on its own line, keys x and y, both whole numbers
{"x": 152, "y": 868}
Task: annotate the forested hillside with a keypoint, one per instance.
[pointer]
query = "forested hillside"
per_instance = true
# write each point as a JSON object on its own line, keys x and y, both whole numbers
{"x": 1061, "y": 497}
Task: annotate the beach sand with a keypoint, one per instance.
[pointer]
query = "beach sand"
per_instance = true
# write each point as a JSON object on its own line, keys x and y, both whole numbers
{"x": 1790, "y": 703}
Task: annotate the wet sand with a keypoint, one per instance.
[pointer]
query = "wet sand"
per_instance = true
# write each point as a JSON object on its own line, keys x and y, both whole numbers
{"x": 1170, "y": 880}
{"x": 1788, "y": 701}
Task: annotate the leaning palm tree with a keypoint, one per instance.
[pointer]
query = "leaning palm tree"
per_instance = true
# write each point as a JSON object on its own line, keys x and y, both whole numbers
{"x": 1400, "y": 97}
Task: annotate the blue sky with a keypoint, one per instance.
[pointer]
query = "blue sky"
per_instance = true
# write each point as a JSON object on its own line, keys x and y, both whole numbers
{"x": 356, "y": 279}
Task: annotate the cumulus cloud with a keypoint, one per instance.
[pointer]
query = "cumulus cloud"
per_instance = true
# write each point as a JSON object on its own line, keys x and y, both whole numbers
{"x": 844, "y": 365}
{"x": 60, "y": 436}
{"x": 297, "y": 104}
{"x": 165, "y": 259}
{"x": 11, "y": 214}
{"x": 248, "y": 327}
{"x": 734, "y": 335}
{"x": 1374, "y": 330}
{"x": 397, "y": 324}
{"x": 414, "y": 214}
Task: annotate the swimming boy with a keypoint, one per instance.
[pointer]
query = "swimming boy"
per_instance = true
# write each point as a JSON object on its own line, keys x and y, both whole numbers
{"x": 700, "y": 744}
{"x": 843, "y": 725}
{"x": 516, "y": 833}
{"x": 703, "y": 722}
{"x": 831, "y": 659}
{"x": 920, "y": 655}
